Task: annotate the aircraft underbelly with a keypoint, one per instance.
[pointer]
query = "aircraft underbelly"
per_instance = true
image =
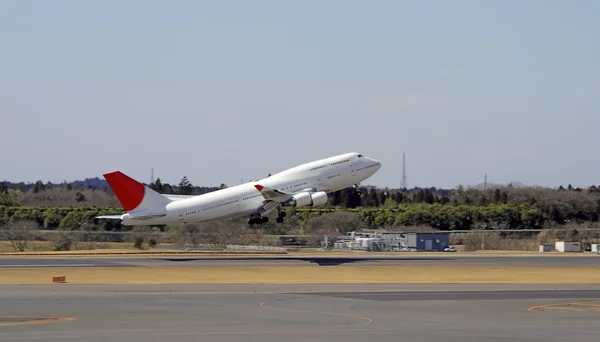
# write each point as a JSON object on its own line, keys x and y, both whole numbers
{"x": 225, "y": 216}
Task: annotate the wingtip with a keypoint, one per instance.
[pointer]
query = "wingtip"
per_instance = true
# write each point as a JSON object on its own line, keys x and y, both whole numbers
{"x": 258, "y": 187}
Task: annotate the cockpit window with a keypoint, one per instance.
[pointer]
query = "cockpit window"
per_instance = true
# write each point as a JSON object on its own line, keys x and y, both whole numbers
{"x": 360, "y": 155}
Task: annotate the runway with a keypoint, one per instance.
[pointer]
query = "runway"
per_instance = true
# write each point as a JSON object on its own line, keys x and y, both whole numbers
{"x": 417, "y": 313}
{"x": 412, "y": 259}
{"x": 389, "y": 309}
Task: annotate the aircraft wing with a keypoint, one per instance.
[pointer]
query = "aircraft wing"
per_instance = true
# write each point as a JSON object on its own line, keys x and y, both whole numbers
{"x": 274, "y": 198}
{"x": 272, "y": 194}
{"x": 276, "y": 195}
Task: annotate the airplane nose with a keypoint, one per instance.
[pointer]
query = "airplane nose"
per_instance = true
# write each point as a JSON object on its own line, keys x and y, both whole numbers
{"x": 376, "y": 162}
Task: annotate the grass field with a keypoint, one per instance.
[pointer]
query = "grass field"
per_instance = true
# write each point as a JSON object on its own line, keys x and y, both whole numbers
{"x": 45, "y": 248}
{"x": 48, "y": 246}
{"x": 308, "y": 252}
{"x": 309, "y": 275}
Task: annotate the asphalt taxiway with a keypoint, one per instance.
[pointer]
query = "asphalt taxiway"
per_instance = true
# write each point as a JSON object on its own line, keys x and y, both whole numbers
{"x": 419, "y": 313}
{"x": 412, "y": 259}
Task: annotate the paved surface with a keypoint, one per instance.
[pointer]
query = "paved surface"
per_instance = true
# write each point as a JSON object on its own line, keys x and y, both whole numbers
{"x": 301, "y": 313}
{"x": 65, "y": 262}
{"x": 286, "y": 261}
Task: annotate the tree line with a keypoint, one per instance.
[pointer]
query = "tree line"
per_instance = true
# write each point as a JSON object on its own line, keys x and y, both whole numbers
{"x": 444, "y": 217}
{"x": 511, "y": 206}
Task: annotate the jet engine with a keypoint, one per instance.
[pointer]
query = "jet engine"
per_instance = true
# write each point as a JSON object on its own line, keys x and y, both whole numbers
{"x": 304, "y": 199}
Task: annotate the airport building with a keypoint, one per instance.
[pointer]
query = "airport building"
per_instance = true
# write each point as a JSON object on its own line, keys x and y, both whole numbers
{"x": 389, "y": 241}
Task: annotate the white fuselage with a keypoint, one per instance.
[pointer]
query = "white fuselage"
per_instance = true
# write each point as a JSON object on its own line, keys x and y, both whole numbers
{"x": 327, "y": 175}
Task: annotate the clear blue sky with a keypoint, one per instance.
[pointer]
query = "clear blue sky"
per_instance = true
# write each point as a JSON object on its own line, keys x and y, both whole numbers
{"x": 220, "y": 90}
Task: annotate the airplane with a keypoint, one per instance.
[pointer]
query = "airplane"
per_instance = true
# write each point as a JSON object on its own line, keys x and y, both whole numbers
{"x": 305, "y": 185}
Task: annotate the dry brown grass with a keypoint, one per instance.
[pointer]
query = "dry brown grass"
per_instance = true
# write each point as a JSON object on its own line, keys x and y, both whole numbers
{"x": 493, "y": 241}
{"x": 309, "y": 275}
{"x": 47, "y": 246}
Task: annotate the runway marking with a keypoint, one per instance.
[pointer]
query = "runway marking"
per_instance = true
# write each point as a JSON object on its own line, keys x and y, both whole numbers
{"x": 272, "y": 332}
{"x": 48, "y": 266}
{"x": 597, "y": 304}
{"x": 266, "y": 332}
{"x": 263, "y": 305}
{"x": 35, "y": 320}
{"x": 365, "y": 318}
{"x": 279, "y": 332}
{"x": 175, "y": 292}
{"x": 587, "y": 306}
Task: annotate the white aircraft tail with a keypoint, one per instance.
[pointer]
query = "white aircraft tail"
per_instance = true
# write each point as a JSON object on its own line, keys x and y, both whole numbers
{"x": 136, "y": 198}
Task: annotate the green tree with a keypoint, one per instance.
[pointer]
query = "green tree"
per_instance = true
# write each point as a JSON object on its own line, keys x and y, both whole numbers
{"x": 79, "y": 196}
{"x": 184, "y": 187}
{"x": 335, "y": 198}
{"x": 38, "y": 186}
{"x": 168, "y": 189}
{"x": 157, "y": 186}
{"x": 373, "y": 198}
{"x": 497, "y": 196}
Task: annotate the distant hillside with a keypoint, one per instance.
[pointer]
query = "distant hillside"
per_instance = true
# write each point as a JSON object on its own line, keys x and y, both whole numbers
{"x": 97, "y": 183}
{"x": 89, "y": 183}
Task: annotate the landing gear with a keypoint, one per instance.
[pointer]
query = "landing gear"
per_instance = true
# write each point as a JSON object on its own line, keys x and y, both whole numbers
{"x": 280, "y": 216}
{"x": 258, "y": 220}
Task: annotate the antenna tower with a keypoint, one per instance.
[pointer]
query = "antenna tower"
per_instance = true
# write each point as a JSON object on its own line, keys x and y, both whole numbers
{"x": 152, "y": 176}
{"x": 485, "y": 181}
{"x": 404, "y": 185}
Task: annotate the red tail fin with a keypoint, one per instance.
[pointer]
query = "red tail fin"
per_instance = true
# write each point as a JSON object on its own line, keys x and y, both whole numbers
{"x": 129, "y": 191}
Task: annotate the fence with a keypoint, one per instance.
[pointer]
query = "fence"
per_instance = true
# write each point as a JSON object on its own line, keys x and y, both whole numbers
{"x": 255, "y": 248}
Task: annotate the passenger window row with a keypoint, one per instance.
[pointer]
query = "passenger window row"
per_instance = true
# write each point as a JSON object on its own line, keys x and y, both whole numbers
{"x": 293, "y": 186}
{"x": 318, "y": 167}
{"x": 219, "y": 205}
{"x": 343, "y": 161}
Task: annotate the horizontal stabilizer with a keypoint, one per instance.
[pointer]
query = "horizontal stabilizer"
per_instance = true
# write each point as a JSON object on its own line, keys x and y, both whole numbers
{"x": 110, "y": 217}
{"x": 145, "y": 214}
{"x": 178, "y": 197}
